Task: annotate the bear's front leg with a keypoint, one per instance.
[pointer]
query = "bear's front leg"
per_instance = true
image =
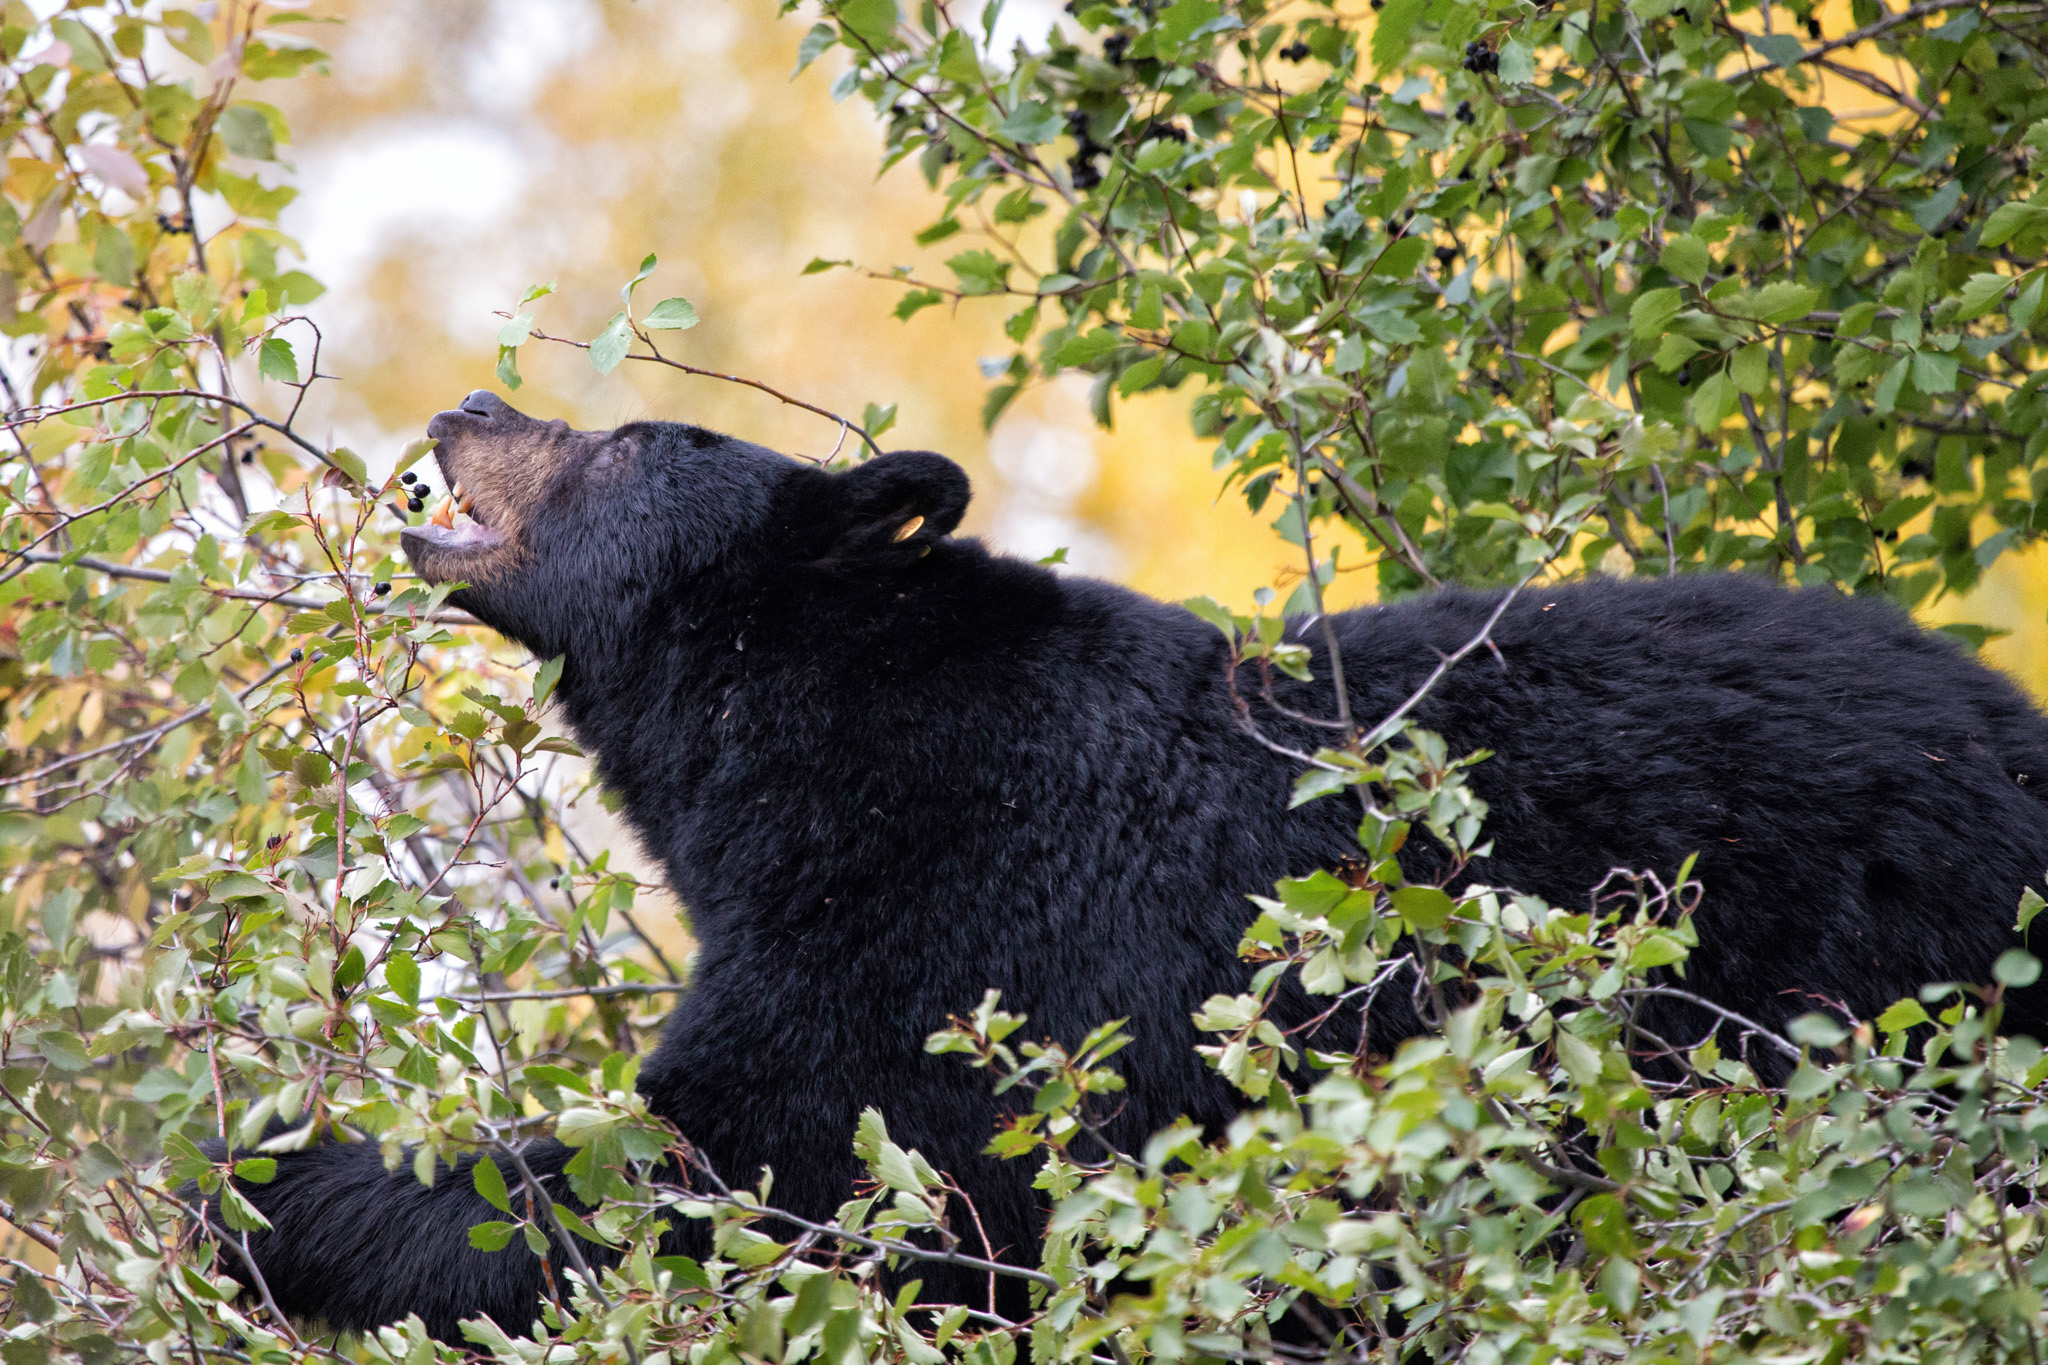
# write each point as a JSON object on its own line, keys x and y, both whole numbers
{"x": 354, "y": 1246}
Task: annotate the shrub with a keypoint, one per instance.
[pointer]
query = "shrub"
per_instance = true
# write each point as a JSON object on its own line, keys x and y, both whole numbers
{"x": 1571, "y": 286}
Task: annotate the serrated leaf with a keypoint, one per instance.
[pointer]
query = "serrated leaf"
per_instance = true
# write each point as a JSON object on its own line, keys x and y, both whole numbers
{"x": 1686, "y": 257}
{"x": 1579, "y": 1058}
{"x": 1980, "y": 294}
{"x": 1425, "y": 907}
{"x": 492, "y": 1236}
{"x": 2009, "y": 219}
{"x": 1652, "y": 312}
{"x": 274, "y": 360}
{"x": 402, "y": 974}
{"x": 490, "y": 1183}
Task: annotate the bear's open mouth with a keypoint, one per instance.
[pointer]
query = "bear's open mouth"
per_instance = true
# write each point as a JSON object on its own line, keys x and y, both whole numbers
{"x": 459, "y": 525}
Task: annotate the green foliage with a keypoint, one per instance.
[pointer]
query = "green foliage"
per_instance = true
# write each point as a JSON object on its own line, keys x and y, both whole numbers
{"x": 1387, "y": 250}
{"x": 281, "y": 845}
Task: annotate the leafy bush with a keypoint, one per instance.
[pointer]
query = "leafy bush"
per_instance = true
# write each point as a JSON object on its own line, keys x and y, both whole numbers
{"x": 1609, "y": 287}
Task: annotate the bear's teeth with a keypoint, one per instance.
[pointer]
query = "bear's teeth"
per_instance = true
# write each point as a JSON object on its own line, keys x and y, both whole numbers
{"x": 444, "y": 515}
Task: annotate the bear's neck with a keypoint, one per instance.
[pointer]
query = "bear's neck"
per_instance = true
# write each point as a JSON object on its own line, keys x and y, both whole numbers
{"x": 798, "y": 753}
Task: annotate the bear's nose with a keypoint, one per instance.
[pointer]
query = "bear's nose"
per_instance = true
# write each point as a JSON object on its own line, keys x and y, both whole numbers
{"x": 484, "y": 403}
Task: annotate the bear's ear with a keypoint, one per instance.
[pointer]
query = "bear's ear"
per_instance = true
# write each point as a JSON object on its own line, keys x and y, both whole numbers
{"x": 907, "y": 498}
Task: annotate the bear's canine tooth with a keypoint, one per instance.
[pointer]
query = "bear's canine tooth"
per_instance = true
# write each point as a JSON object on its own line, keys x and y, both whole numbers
{"x": 456, "y": 491}
{"x": 907, "y": 529}
{"x": 444, "y": 515}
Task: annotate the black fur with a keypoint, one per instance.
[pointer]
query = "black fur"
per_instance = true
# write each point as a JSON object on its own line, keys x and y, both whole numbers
{"x": 886, "y": 775}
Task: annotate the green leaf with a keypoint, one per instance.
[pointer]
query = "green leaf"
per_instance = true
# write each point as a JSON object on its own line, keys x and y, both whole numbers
{"x": 1391, "y": 31}
{"x": 2031, "y": 904}
{"x": 490, "y": 1183}
{"x": 1778, "y": 303}
{"x": 671, "y": 315}
{"x": 819, "y": 265}
{"x": 647, "y": 264}
{"x": 980, "y": 272}
{"x": 2017, "y": 968}
{"x": 877, "y": 418}
{"x": 609, "y": 347}
{"x": 815, "y": 44}
{"x": 1934, "y": 373}
{"x": 274, "y": 360}
{"x": 350, "y": 464}
{"x": 872, "y": 22}
{"x": 1517, "y": 63}
{"x": 260, "y": 1170}
{"x": 1400, "y": 258}
{"x": 492, "y": 1236}
{"x": 1981, "y": 293}
{"x": 1652, "y": 312}
{"x": 2009, "y": 219}
{"x": 1686, "y": 257}
{"x": 1032, "y": 121}
{"x": 1425, "y": 907}
{"x": 1578, "y": 1057}
{"x": 1779, "y": 49}
{"x": 1886, "y": 396}
{"x": 239, "y": 1214}
{"x": 1902, "y": 1016}
{"x": 915, "y": 302}
{"x": 402, "y": 974}
{"x": 545, "y": 679}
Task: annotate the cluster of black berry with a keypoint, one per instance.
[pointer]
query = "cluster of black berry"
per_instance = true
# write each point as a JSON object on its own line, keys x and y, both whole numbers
{"x": 1296, "y": 51}
{"x": 1481, "y": 59}
{"x": 1464, "y": 113}
{"x": 1162, "y": 129}
{"x": 1114, "y": 47}
{"x": 1081, "y": 167}
{"x": 416, "y": 491}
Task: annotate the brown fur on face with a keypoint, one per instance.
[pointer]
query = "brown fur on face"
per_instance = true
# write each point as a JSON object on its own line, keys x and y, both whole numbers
{"x": 504, "y": 462}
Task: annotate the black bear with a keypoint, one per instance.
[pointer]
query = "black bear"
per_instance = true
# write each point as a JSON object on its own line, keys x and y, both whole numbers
{"x": 887, "y": 769}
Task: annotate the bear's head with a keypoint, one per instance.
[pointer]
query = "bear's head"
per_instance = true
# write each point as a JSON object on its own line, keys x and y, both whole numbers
{"x": 557, "y": 527}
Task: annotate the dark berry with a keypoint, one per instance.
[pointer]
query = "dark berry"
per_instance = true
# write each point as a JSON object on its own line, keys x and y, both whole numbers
{"x": 1115, "y": 45}
{"x": 1296, "y": 51}
{"x": 298, "y": 655}
{"x": 1446, "y": 254}
{"x": 379, "y": 589}
{"x": 1770, "y": 222}
{"x": 1684, "y": 375}
{"x": 274, "y": 842}
{"x": 415, "y": 506}
{"x": 1684, "y": 14}
{"x": 1813, "y": 28}
{"x": 1465, "y": 114}
{"x": 1471, "y": 49}
{"x": 407, "y": 477}
{"x": 1077, "y": 122}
